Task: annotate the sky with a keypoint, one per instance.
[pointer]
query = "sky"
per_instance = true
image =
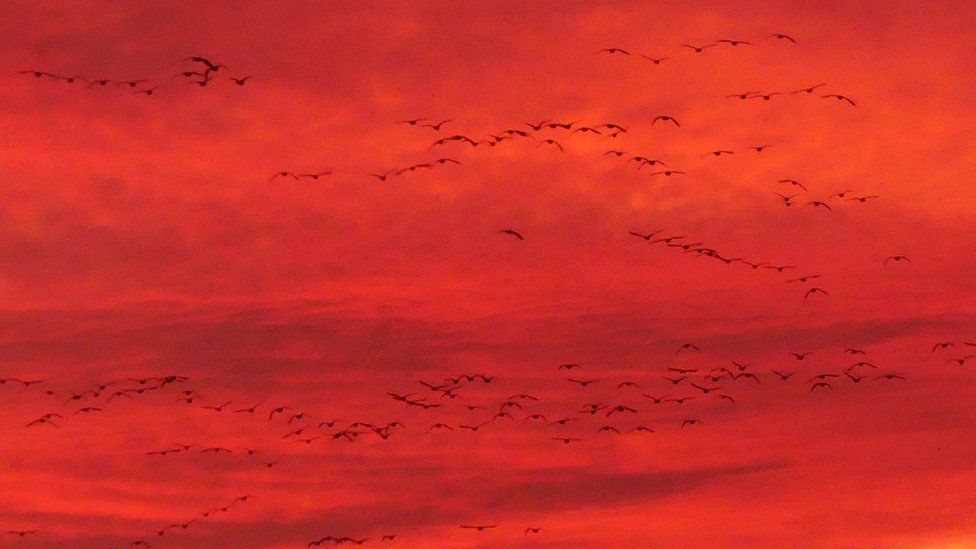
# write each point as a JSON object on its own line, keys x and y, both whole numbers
{"x": 144, "y": 236}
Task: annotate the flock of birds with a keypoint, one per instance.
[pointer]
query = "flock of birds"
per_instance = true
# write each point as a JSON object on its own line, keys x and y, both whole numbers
{"x": 605, "y": 405}
{"x": 201, "y": 72}
{"x": 619, "y": 409}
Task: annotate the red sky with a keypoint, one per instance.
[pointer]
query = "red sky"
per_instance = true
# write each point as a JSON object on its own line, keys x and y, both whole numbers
{"x": 141, "y": 236}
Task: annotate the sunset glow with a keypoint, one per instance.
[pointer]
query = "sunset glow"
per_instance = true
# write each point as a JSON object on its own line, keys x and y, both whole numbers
{"x": 181, "y": 255}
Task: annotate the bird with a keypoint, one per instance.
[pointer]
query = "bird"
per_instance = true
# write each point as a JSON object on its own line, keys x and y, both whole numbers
{"x": 554, "y": 143}
{"x": 853, "y": 351}
{"x": 780, "y": 36}
{"x": 87, "y": 410}
{"x": 566, "y": 440}
{"x": 717, "y": 153}
{"x": 211, "y": 66}
{"x": 412, "y": 121}
{"x": 793, "y": 182}
{"x": 814, "y": 291}
{"x": 512, "y": 232}
{"x": 808, "y": 89}
{"x": 437, "y": 126}
{"x": 621, "y": 409}
{"x": 801, "y": 356}
{"x": 749, "y": 375}
{"x": 479, "y": 527}
{"x": 585, "y": 129}
{"x": 822, "y": 377}
{"x": 646, "y": 237}
{"x": 863, "y": 199}
{"x": 690, "y": 422}
{"x": 665, "y": 118}
{"x": 787, "y": 198}
{"x": 669, "y": 173}
{"x": 655, "y": 60}
{"x": 743, "y": 95}
{"x": 582, "y": 382}
{"x": 734, "y": 42}
{"x": 896, "y": 259}
{"x": 532, "y": 530}
{"x": 285, "y": 174}
{"x": 688, "y": 347}
{"x": 240, "y": 81}
{"x": 819, "y": 204}
{"x": 381, "y": 176}
{"x": 704, "y": 389}
{"x": 840, "y": 98}
{"x": 314, "y": 175}
{"x": 697, "y": 49}
{"x": 219, "y": 408}
{"x": 823, "y": 384}
{"x": 891, "y": 376}
{"x": 943, "y": 345}
{"x": 248, "y": 410}
{"x": 613, "y": 51}
{"x": 37, "y": 73}
{"x": 804, "y": 278}
{"x": 561, "y": 125}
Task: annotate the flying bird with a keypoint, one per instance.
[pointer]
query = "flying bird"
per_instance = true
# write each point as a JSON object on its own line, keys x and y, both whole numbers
{"x": 665, "y": 118}
{"x": 840, "y": 98}
{"x": 436, "y": 127}
{"x": 688, "y": 347}
{"x": 814, "y": 291}
{"x": 613, "y": 51}
{"x": 554, "y": 143}
{"x": 655, "y": 60}
{"x": 808, "y": 89}
{"x": 697, "y": 49}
